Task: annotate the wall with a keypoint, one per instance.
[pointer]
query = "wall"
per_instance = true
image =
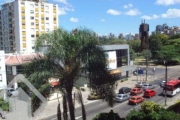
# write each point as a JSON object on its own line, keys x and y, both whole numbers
{"x": 3, "y": 80}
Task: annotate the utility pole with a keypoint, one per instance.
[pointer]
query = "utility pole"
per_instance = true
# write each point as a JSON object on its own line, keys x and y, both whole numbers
{"x": 165, "y": 62}
{"x": 146, "y": 66}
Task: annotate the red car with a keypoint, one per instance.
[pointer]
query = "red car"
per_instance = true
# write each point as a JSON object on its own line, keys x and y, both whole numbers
{"x": 136, "y": 99}
{"x": 149, "y": 93}
{"x": 136, "y": 91}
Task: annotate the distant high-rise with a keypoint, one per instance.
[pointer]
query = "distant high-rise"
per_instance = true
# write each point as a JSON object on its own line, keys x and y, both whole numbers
{"x": 22, "y": 21}
{"x": 143, "y": 34}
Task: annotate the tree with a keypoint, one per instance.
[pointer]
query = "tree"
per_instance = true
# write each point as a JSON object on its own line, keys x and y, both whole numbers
{"x": 107, "y": 116}
{"x": 71, "y": 54}
{"x": 135, "y": 45}
{"x": 148, "y": 107}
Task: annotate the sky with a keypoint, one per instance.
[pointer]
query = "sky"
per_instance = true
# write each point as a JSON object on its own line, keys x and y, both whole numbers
{"x": 116, "y": 16}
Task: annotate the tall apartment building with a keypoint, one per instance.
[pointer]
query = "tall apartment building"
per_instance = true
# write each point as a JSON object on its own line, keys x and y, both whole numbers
{"x": 22, "y": 21}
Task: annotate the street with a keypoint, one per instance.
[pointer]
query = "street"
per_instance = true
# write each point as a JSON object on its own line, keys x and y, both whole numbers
{"x": 123, "y": 109}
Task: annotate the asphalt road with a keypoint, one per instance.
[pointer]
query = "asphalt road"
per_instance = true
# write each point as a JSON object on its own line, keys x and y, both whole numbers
{"x": 124, "y": 108}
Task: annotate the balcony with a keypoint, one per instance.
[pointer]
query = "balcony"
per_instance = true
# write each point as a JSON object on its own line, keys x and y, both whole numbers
{"x": 22, "y": 8}
{"x": 37, "y": 27}
{"x": 37, "y": 21}
{"x": 42, "y": 15}
{"x": 24, "y": 45}
{"x": 23, "y": 27}
{"x": 55, "y": 27}
{"x": 23, "y": 20}
{"x": 42, "y": 9}
{"x": 42, "y": 21}
{"x": 36, "y": 9}
{"x": 37, "y": 33}
{"x": 24, "y": 39}
{"x": 37, "y": 15}
{"x": 54, "y": 22}
{"x": 23, "y": 33}
{"x": 42, "y": 27}
{"x": 23, "y": 14}
{"x": 54, "y": 11}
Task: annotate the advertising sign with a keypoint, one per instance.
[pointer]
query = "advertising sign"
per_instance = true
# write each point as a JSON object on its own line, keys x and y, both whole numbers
{"x": 112, "y": 61}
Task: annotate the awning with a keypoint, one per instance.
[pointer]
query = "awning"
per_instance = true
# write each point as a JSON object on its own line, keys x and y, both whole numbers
{"x": 54, "y": 83}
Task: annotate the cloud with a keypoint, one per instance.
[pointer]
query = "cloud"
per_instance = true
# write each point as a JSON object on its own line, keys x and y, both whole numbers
{"x": 167, "y": 2}
{"x": 133, "y": 12}
{"x": 62, "y": 1}
{"x": 171, "y": 13}
{"x": 74, "y": 19}
{"x": 113, "y": 12}
{"x": 63, "y": 10}
{"x": 128, "y": 6}
{"x": 103, "y": 20}
{"x": 154, "y": 16}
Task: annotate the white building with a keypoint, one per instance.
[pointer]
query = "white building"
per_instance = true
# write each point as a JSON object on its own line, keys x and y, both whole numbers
{"x": 22, "y": 21}
{"x": 3, "y": 80}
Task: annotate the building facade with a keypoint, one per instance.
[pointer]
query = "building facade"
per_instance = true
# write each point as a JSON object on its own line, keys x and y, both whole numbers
{"x": 3, "y": 80}
{"x": 22, "y": 21}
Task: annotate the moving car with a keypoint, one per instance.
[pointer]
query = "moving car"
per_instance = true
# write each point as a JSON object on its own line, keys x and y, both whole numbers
{"x": 122, "y": 97}
{"x": 147, "y": 86}
{"x": 149, "y": 93}
{"x": 124, "y": 90}
{"x": 136, "y": 91}
{"x": 139, "y": 84}
{"x": 136, "y": 99}
{"x": 162, "y": 83}
{"x": 11, "y": 92}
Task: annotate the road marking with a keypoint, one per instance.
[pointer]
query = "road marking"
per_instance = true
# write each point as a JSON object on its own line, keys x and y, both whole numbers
{"x": 78, "y": 117}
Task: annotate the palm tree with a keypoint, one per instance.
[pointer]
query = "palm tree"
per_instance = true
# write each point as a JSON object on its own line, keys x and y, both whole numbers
{"x": 72, "y": 53}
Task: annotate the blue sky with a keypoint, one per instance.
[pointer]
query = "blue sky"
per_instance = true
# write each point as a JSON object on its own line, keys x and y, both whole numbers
{"x": 117, "y": 16}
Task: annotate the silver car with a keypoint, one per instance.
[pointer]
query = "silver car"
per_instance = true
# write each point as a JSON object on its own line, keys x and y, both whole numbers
{"x": 122, "y": 97}
{"x": 147, "y": 86}
{"x": 140, "y": 84}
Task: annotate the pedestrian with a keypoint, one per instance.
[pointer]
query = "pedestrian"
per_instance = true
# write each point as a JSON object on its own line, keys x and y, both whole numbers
{"x": 116, "y": 85}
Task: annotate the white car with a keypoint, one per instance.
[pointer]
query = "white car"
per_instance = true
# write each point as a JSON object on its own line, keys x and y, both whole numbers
{"x": 122, "y": 97}
{"x": 11, "y": 92}
{"x": 140, "y": 84}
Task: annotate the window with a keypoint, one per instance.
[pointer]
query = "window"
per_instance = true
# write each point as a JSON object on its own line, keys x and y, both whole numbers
{"x": 23, "y": 23}
{"x": 54, "y": 18}
{"x": 0, "y": 77}
{"x": 47, "y": 24}
{"x": 32, "y": 11}
{"x": 32, "y": 23}
{"x": 32, "y": 18}
{"x": 47, "y": 12}
{"x": 47, "y": 7}
{"x": 31, "y": 6}
{"x": 23, "y": 11}
{"x": 32, "y": 30}
{"x": 32, "y": 35}
{"x": 47, "y": 18}
{"x": 9, "y": 69}
{"x": 42, "y": 18}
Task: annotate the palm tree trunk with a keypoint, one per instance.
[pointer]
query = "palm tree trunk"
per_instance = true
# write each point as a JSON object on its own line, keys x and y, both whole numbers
{"x": 71, "y": 105}
{"x": 82, "y": 105}
{"x": 65, "y": 116}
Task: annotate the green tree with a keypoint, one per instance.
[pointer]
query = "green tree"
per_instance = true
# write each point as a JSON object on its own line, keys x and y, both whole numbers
{"x": 107, "y": 116}
{"x": 148, "y": 107}
{"x": 73, "y": 53}
{"x": 135, "y": 45}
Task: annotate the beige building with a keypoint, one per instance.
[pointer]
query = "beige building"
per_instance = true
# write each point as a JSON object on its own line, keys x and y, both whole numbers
{"x": 22, "y": 21}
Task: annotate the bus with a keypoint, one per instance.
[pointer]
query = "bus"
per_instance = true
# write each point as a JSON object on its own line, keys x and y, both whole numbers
{"x": 172, "y": 87}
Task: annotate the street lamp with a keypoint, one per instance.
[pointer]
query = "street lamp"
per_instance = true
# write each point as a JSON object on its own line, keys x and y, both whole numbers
{"x": 165, "y": 63}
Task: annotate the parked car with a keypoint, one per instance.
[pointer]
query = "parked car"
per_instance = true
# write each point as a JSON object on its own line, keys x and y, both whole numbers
{"x": 11, "y": 92}
{"x": 149, "y": 93}
{"x": 122, "y": 97}
{"x": 162, "y": 83}
{"x": 147, "y": 86}
{"x": 136, "y": 99}
{"x": 136, "y": 91}
{"x": 139, "y": 84}
{"x": 124, "y": 90}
